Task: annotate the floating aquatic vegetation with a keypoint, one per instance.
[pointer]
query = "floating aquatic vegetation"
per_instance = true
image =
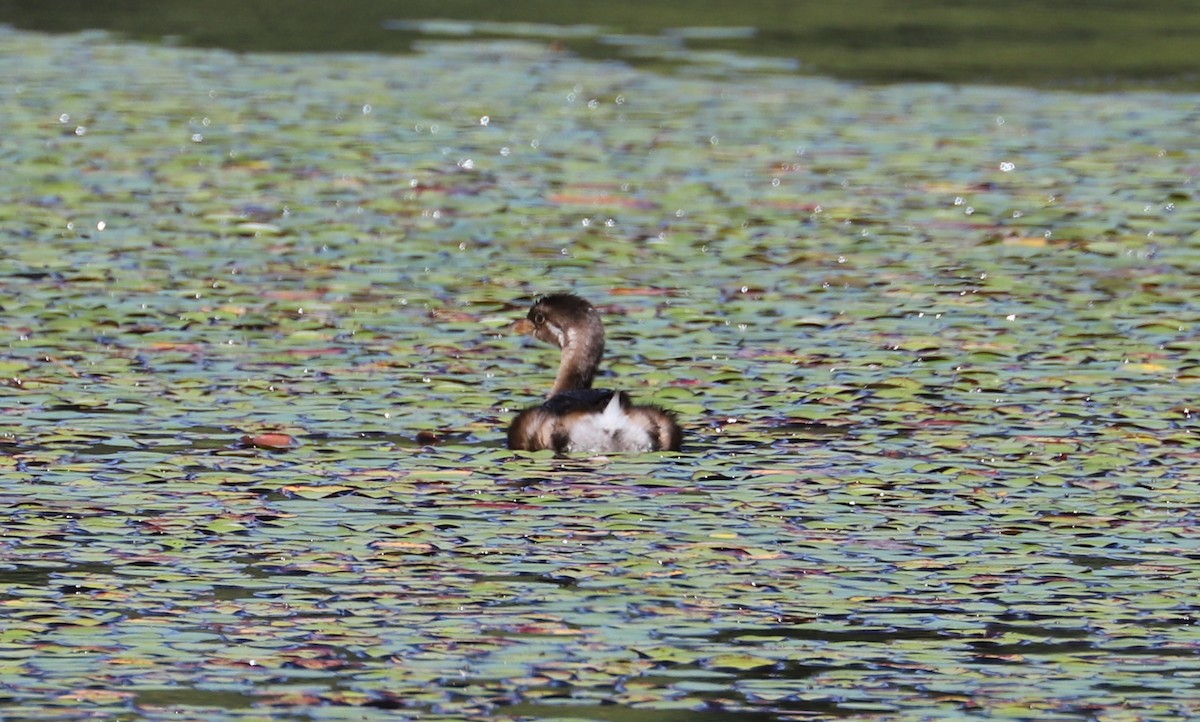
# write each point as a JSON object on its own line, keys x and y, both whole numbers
{"x": 934, "y": 346}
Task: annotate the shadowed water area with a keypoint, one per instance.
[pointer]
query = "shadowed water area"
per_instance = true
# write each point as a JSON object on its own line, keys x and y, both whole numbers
{"x": 934, "y": 349}
{"x": 1093, "y": 45}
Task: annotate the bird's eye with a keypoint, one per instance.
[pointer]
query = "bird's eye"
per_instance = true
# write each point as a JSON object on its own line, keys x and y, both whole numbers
{"x": 539, "y": 319}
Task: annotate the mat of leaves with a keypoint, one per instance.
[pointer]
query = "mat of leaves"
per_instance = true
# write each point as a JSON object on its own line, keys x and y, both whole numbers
{"x": 934, "y": 348}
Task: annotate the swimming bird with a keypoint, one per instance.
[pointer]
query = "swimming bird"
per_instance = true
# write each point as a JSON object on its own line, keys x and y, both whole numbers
{"x": 575, "y": 417}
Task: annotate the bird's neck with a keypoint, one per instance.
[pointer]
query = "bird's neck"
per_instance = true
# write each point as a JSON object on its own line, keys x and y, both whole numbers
{"x": 581, "y": 352}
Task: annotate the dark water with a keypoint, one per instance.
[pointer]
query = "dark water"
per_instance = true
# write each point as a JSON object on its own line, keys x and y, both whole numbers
{"x": 1122, "y": 43}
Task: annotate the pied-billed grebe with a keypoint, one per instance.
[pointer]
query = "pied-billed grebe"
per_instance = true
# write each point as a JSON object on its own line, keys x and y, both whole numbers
{"x": 576, "y": 417}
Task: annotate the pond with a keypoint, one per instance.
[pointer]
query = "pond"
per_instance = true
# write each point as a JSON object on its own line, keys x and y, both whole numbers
{"x": 933, "y": 347}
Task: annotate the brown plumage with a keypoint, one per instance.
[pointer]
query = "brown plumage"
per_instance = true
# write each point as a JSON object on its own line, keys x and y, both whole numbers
{"x": 576, "y": 417}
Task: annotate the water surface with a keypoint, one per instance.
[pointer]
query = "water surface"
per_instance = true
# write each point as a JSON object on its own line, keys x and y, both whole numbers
{"x": 934, "y": 346}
